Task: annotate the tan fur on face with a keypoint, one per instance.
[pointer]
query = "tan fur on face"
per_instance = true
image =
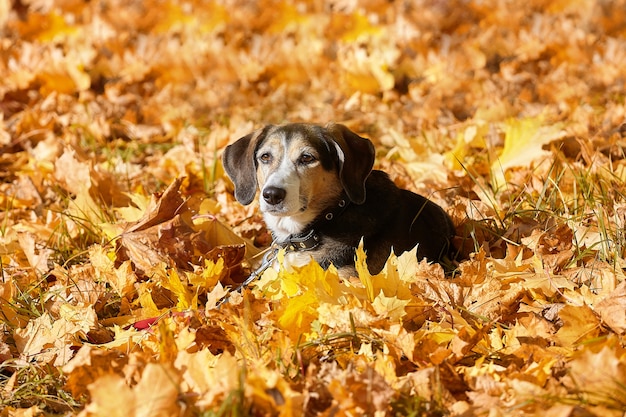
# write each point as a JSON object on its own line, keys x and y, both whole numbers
{"x": 310, "y": 188}
{"x": 274, "y": 145}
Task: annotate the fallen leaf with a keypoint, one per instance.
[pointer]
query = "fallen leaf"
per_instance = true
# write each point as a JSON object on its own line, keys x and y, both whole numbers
{"x": 523, "y": 143}
{"x": 47, "y": 341}
{"x": 579, "y": 324}
{"x": 154, "y": 395}
{"x": 612, "y": 309}
{"x": 89, "y": 364}
{"x": 599, "y": 376}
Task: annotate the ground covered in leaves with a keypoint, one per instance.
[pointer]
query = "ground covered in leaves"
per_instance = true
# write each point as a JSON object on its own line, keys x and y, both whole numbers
{"x": 119, "y": 232}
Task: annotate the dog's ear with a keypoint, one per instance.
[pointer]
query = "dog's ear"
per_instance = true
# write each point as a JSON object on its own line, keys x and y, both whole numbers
{"x": 240, "y": 165}
{"x": 356, "y": 159}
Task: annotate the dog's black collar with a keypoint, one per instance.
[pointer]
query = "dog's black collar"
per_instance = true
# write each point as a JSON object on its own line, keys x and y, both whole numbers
{"x": 310, "y": 239}
{"x": 301, "y": 241}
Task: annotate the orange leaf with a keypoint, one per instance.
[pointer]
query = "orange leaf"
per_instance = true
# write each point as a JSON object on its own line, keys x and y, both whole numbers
{"x": 579, "y": 324}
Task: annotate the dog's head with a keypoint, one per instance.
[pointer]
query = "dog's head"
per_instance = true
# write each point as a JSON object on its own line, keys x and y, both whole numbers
{"x": 298, "y": 166}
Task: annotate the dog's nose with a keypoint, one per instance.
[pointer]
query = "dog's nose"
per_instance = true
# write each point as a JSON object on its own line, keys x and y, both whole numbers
{"x": 274, "y": 195}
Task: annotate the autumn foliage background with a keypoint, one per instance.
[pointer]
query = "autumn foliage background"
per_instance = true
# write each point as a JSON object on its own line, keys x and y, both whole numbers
{"x": 119, "y": 232}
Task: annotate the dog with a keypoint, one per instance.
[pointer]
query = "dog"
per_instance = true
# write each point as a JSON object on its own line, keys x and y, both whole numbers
{"x": 320, "y": 197}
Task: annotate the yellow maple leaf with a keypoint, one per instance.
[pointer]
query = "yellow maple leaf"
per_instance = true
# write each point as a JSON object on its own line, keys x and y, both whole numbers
{"x": 209, "y": 377}
{"x": 82, "y": 316}
{"x": 209, "y": 276}
{"x": 141, "y": 203}
{"x": 543, "y": 285}
{"x": 301, "y": 291}
{"x": 390, "y": 288}
{"x": 125, "y": 339}
{"x": 398, "y": 272}
{"x": 173, "y": 282}
{"x": 363, "y": 272}
{"x": 301, "y": 300}
{"x": 122, "y": 279}
{"x": 148, "y": 307}
{"x": 215, "y": 296}
{"x": 390, "y": 307}
{"x": 523, "y": 143}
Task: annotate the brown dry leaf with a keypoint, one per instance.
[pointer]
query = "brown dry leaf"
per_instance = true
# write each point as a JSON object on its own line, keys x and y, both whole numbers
{"x": 77, "y": 286}
{"x": 168, "y": 243}
{"x": 600, "y": 376}
{"x": 89, "y": 364}
{"x": 225, "y": 242}
{"x": 612, "y": 309}
{"x": 208, "y": 376}
{"x": 269, "y": 392}
{"x": 168, "y": 235}
{"x": 362, "y": 392}
{"x": 480, "y": 288}
{"x": 154, "y": 395}
{"x": 122, "y": 278}
{"x": 110, "y": 396}
{"x": 36, "y": 254}
{"x": 48, "y": 341}
{"x": 161, "y": 208}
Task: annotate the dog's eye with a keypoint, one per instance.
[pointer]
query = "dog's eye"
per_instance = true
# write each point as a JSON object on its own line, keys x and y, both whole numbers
{"x": 265, "y": 157}
{"x": 306, "y": 158}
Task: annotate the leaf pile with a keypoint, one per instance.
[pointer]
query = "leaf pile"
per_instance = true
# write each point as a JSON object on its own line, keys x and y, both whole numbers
{"x": 119, "y": 233}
